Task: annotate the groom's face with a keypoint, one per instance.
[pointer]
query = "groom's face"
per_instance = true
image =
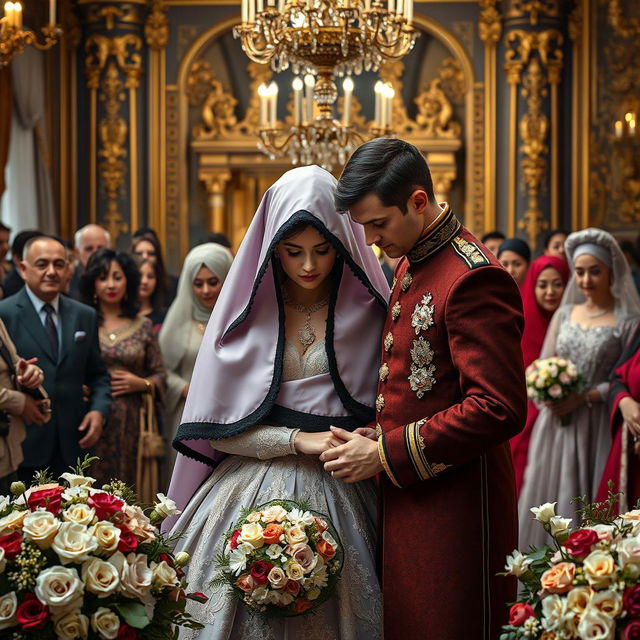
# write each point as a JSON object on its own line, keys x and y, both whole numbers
{"x": 389, "y": 228}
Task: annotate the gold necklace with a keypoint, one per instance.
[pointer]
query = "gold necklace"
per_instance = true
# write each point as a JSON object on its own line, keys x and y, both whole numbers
{"x": 113, "y": 335}
{"x": 306, "y": 335}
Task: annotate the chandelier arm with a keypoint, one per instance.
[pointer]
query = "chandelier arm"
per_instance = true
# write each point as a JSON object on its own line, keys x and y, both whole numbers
{"x": 268, "y": 138}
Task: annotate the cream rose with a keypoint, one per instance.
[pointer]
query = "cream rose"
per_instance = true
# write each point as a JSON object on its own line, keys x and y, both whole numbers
{"x": 3, "y": 560}
{"x": 41, "y": 527}
{"x": 559, "y": 526}
{"x": 71, "y": 626}
{"x": 274, "y": 513}
{"x": 60, "y": 589}
{"x": 75, "y": 493}
{"x": 595, "y": 625}
{"x": 135, "y": 575}
{"x": 12, "y": 521}
{"x": 252, "y": 534}
{"x": 166, "y": 507}
{"x": 164, "y": 576}
{"x": 80, "y": 513}
{"x": 544, "y": 512}
{"x": 599, "y": 568}
{"x": 604, "y": 531}
{"x": 296, "y": 534}
{"x": 277, "y": 577}
{"x": 100, "y": 577}
{"x": 554, "y": 613}
{"x": 105, "y": 623}
{"x": 138, "y": 522}
{"x": 578, "y": 599}
{"x": 74, "y": 480}
{"x": 629, "y": 554}
{"x": 295, "y": 571}
{"x": 255, "y": 516}
{"x": 107, "y": 536}
{"x": 8, "y": 606}
{"x": 73, "y": 543}
{"x": 303, "y": 554}
{"x": 607, "y": 601}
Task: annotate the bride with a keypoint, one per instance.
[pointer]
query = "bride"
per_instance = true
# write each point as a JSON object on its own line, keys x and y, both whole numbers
{"x": 291, "y": 348}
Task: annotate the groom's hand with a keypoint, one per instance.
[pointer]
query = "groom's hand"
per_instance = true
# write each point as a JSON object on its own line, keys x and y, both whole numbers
{"x": 367, "y": 432}
{"x": 355, "y": 460}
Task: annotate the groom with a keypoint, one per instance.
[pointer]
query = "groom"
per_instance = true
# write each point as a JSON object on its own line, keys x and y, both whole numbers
{"x": 451, "y": 393}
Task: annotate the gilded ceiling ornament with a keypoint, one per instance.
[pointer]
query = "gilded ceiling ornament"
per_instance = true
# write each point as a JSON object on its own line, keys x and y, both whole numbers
{"x": 490, "y": 24}
{"x": 422, "y": 317}
{"x": 156, "y": 28}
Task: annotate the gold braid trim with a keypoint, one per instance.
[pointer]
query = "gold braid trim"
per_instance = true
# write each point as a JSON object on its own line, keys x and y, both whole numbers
{"x": 385, "y": 463}
{"x": 415, "y": 446}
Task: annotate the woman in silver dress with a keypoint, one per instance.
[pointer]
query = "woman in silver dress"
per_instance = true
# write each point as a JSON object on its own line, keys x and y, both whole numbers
{"x": 291, "y": 348}
{"x": 599, "y": 312}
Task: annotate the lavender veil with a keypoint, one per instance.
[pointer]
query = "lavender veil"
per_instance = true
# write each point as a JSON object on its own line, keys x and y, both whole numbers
{"x": 237, "y": 378}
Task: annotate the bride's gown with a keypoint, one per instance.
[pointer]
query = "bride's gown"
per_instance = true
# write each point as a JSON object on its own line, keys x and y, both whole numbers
{"x": 262, "y": 467}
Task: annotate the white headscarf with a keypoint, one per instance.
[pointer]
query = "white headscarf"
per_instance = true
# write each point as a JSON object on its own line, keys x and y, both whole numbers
{"x": 174, "y": 335}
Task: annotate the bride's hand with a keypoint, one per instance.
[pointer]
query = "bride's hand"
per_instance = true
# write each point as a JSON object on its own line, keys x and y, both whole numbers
{"x": 313, "y": 444}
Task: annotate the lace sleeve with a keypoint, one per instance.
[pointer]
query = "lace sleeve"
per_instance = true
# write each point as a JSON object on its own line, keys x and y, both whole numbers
{"x": 262, "y": 441}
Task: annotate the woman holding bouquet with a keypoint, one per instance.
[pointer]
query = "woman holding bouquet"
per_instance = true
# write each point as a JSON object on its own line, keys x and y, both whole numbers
{"x": 599, "y": 312}
{"x": 291, "y": 348}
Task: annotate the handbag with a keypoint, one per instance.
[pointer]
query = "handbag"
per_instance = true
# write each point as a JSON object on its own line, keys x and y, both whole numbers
{"x": 151, "y": 448}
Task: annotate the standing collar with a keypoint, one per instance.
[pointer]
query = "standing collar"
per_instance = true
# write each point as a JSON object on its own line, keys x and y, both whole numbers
{"x": 38, "y": 303}
{"x": 435, "y": 236}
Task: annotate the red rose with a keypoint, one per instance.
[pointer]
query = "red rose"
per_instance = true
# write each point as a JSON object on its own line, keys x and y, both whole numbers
{"x": 302, "y": 605}
{"x": 631, "y": 600}
{"x": 580, "y": 542}
{"x": 260, "y": 571}
{"x": 31, "y": 613}
{"x": 292, "y": 587}
{"x": 12, "y": 545}
{"x": 520, "y": 612}
{"x": 165, "y": 557}
{"x": 105, "y": 505}
{"x": 631, "y": 631}
{"x": 234, "y": 539}
{"x": 48, "y": 498}
{"x": 125, "y": 632}
{"x": 128, "y": 541}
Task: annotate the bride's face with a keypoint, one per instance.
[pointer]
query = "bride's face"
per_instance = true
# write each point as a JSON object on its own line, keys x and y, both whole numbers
{"x": 306, "y": 258}
{"x": 592, "y": 276}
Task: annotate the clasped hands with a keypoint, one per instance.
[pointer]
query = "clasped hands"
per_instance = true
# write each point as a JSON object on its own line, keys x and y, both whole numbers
{"x": 348, "y": 456}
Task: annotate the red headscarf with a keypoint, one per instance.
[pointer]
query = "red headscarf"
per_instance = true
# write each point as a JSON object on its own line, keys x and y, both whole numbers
{"x": 537, "y": 319}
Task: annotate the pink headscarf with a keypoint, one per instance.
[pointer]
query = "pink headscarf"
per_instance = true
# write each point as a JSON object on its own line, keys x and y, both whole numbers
{"x": 237, "y": 379}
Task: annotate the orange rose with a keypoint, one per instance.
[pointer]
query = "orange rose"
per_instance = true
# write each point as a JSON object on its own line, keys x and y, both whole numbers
{"x": 325, "y": 549}
{"x": 246, "y": 583}
{"x": 559, "y": 579}
{"x": 272, "y": 533}
{"x": 301, "y": 605}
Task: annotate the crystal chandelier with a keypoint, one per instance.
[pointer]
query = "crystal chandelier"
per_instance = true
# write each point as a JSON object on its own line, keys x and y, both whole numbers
{"x": 320, "y": 39}
{"x": 13, "y": 37}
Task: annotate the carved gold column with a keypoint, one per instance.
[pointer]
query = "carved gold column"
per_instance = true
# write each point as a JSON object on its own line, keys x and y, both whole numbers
{"x": 215, "y": 182}
{"x": 533, "y": 41}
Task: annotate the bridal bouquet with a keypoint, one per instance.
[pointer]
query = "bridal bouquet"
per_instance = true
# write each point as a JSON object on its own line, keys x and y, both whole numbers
{"x": 587, "y": 585}
{"x": 552, "y": 379}
{"x": 82, "y": 562}
{"x": 281, "y": 559}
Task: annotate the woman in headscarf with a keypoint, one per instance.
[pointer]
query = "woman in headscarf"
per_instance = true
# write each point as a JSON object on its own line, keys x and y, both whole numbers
{"x": 541, "y": 296}
{"x": 599, "y": 313}
{"x": 515, "y": 255}
{"x": 203, "y": 274}
{"x": 291, "y": 349}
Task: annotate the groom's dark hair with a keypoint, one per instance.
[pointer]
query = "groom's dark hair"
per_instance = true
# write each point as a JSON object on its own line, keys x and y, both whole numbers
{"x": 392, "y": 169}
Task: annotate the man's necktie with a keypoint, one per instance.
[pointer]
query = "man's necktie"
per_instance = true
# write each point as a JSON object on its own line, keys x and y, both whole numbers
{"x": 50, "y": 327}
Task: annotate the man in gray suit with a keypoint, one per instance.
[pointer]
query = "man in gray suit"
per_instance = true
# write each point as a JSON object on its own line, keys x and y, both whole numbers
{"x": 63, "y": 335}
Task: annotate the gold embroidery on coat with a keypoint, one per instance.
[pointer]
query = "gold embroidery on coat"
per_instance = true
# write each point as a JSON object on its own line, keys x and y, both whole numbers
{"x": 406, "y": 281}
{"x": 378, "y": 429}
{"x": 383, "y": 373}
{"x": 395, "y": 310}
{"x": 422, "y": 317}
{"x": 415, "y": 446}
{"x": 379, "y": 403}
{"x": 469, "y": 252}
{"x": 439, "y": 467}
{"x": 388, "y": 341}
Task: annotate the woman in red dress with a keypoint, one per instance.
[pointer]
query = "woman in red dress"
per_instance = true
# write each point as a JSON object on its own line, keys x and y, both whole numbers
{"x": 541, "y": 295}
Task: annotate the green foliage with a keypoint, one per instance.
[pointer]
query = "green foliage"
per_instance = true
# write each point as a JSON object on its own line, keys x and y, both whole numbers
{"x": 133, "y": 614}
{"x": 84, "y": 464}
{"x": 43, "y": 477}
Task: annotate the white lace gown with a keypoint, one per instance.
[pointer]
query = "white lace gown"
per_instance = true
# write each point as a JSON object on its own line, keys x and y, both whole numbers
{"x": 263, "y": 466}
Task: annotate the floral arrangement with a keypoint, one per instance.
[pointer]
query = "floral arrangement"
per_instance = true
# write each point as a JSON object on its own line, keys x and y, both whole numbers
{"x": 587, "y": 585}
{"x": 281, "y": 559}
{"x": 82, "y": 562}
{"x": 552, "y": 379}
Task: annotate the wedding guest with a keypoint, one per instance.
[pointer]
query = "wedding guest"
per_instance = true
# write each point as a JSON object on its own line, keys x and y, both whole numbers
{"x": 13, "y": 281}
{"x": 145, "y": 245}
{"x": 203, "y": 274}
{"x": 151, "y": 294}
{"x": 515, "y": 255}
{"x": 493, "y": 240}
{"x": 623, "y": 464}
{"x": 598, "y": 315}
{"x": 541, "y": 296}
{"x": 554, "y": 243}
{"x": 130, "y": 350}
{"x": 87, "y": 240}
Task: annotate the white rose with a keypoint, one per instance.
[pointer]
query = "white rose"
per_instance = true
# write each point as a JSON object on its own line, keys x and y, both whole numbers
{"x": 608, "y": 602}
{"x": 79, "y": 513}
{"x": 100, "y": 578}
{"x": 274, "y": 513}
{"x": 75, "y": 480}
{"x": 135, "y": 575}
{"x": 517, "y": 564}
{"x": 599, "y": 568}
{"x": 164, "y": 576}
{"x": 73, "y": 543}
{"x": 629, "y": 554}
{"x": 75, "y": 493}
{"x": 71, "y": 626}
{"x": 554, "y": 613}
{"x": 107, "y": 536}
{"x": 11, "y": 522}
{"x": 296, "y": 534}
{"x": 252, "y": 533}
{"x": 295, "y": 571}
{"x": 41, "y": 527}
{"x": 105, "y": 623}
{"x": 274, "y": 551}
{"x": 559, "y": 526}
{"x": 60, "y": 589}
{"x": 596, "y": 625}
{"x": 8, "y": 606}
{"x": 3, "y": 560}
{"x": 166, "y": 507}
{"x": 277, "y": 578}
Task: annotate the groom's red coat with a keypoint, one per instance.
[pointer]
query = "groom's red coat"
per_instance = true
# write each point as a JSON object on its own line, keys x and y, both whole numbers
{"x": 451, "y": 394}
